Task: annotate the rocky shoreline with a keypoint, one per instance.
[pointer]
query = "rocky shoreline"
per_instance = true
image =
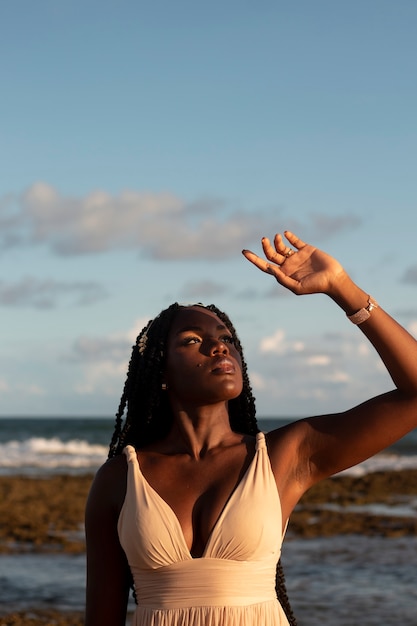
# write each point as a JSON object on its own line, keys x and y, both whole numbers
{"x": 46, "y": 515}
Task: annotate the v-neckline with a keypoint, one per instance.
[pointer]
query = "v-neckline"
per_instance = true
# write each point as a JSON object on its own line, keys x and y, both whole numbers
{"x": 222, "y": 511}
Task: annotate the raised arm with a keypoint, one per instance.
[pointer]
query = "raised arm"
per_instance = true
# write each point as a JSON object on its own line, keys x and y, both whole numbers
{"x": 330, "y": 443}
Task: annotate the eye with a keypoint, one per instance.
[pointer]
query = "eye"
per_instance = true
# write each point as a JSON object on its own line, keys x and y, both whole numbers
{"x": 227, "y": 339}
{"x": 190, "y": 340}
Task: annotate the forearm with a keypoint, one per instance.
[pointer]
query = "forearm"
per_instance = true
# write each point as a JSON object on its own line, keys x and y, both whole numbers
{"x": 396, "y": 347}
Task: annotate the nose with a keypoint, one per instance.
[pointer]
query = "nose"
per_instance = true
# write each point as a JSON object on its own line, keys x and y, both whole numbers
{"x": 219, "y": 347}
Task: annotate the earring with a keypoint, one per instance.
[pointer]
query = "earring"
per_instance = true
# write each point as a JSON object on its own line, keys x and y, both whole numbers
{"x": 164, "y": 386}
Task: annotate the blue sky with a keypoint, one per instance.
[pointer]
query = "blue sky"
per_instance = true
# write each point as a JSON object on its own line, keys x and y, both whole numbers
{"x": 143, "y": 145}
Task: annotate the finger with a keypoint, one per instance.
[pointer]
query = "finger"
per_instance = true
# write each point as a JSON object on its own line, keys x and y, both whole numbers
{"x": 294, "y": 240}
{"x": 285, "y": 280}
{"x": 271, "y": 253}
{"x": 274, "y": 270}
{"x": 282, "y": 249}
{"x": 258, "y": 261}
{"x": 279, "y": 244}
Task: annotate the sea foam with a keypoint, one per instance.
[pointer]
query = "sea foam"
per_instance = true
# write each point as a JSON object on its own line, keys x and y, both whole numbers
{"x": 50, "y": 454}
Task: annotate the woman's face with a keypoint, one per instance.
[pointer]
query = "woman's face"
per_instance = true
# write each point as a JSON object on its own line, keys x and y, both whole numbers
{"x": 203, "y": 365}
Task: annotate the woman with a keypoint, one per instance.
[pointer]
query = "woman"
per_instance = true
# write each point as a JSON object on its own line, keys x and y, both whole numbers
{"x": 193, "y": 503}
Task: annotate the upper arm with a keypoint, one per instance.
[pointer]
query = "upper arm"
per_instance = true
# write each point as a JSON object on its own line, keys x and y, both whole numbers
{"x": 107, "y": 568}
{"x": 309, "y": 450}
{"x": 336, "y": 442}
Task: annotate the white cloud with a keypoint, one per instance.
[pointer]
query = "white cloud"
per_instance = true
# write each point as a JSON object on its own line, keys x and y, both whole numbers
{"x": 278, "y": 344}
{"x": 298, "y": 346}
{"x": 47, "y": 293}
{"x": 274, "y": 343}
{"x": 363, "y": 349}
{"x": 258, "y": 382}
{"x": 324, "y": 374}
{"x": 159, "y": 225}
{"x": 105, "y": 377}
{"x": 319, "y": 359}
{"x": 114, "y": 347}
{"x": 338, "y": 377}
{"x": 104, "y": 360}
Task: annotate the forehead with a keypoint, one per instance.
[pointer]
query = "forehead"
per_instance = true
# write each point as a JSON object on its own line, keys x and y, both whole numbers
{"x": 194, "y": 317}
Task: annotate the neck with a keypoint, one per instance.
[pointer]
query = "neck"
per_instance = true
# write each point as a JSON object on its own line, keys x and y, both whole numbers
{"x": 201, "y": 430}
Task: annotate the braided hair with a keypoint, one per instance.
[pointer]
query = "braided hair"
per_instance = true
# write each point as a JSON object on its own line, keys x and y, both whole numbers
{"x": 144, "y": 414}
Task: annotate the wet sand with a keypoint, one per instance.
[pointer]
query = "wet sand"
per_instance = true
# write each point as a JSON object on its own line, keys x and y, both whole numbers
{"x": 42, "y": 514}
{"x": 42, "y": 618}
{"x": 333, "y": 506}
{"x": 46, "y": 515}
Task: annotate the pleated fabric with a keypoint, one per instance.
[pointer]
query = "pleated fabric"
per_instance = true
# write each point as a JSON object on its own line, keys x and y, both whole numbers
{"x": 233, "y": 582}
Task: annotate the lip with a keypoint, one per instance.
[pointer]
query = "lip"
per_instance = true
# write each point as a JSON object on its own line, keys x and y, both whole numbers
{"x": 223, "y": 366}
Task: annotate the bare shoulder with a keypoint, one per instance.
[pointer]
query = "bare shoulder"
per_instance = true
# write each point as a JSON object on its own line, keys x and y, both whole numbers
{"x": 108, "y": 489}
{"x": 112, "y": 471}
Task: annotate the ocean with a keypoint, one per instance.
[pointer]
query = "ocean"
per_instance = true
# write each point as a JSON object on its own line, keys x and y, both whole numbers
{"x": 342, "y": 580}
{"x": 44, "y": 446}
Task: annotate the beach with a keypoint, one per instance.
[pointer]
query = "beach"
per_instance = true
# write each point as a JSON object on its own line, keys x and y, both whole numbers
{"x": 44, "y": 515}
{"x": 350, "y": 553}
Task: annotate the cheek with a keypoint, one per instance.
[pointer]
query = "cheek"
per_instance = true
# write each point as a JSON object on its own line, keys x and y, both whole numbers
{"x": 179, "y": 371}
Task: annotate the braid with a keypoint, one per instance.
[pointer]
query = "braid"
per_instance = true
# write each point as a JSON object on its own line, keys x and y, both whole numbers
{"x": 282, "y": 595}
{"x": 146, "y": 409}
{"x": 148, "y": 415}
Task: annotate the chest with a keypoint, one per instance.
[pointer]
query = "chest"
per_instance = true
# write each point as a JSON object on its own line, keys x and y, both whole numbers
{"x": 197, "y": 492}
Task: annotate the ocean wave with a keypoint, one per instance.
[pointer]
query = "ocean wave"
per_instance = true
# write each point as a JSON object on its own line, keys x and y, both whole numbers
{"x": 383, "y": 462}
{"x": 51, "y": 454}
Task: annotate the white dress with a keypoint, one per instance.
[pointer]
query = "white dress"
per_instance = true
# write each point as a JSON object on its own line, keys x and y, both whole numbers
{"x": 233, "y": 582}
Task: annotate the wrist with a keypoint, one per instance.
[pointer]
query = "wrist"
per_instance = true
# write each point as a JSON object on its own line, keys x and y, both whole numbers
{"x": 349, "y": 296}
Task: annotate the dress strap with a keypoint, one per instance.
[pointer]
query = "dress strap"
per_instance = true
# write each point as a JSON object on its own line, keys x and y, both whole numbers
{"x": 260, "y": 441}
{"x": 130, "y": 453}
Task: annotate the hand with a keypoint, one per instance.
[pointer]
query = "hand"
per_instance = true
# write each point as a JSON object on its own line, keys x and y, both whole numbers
{"x": 303, "y": 270}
